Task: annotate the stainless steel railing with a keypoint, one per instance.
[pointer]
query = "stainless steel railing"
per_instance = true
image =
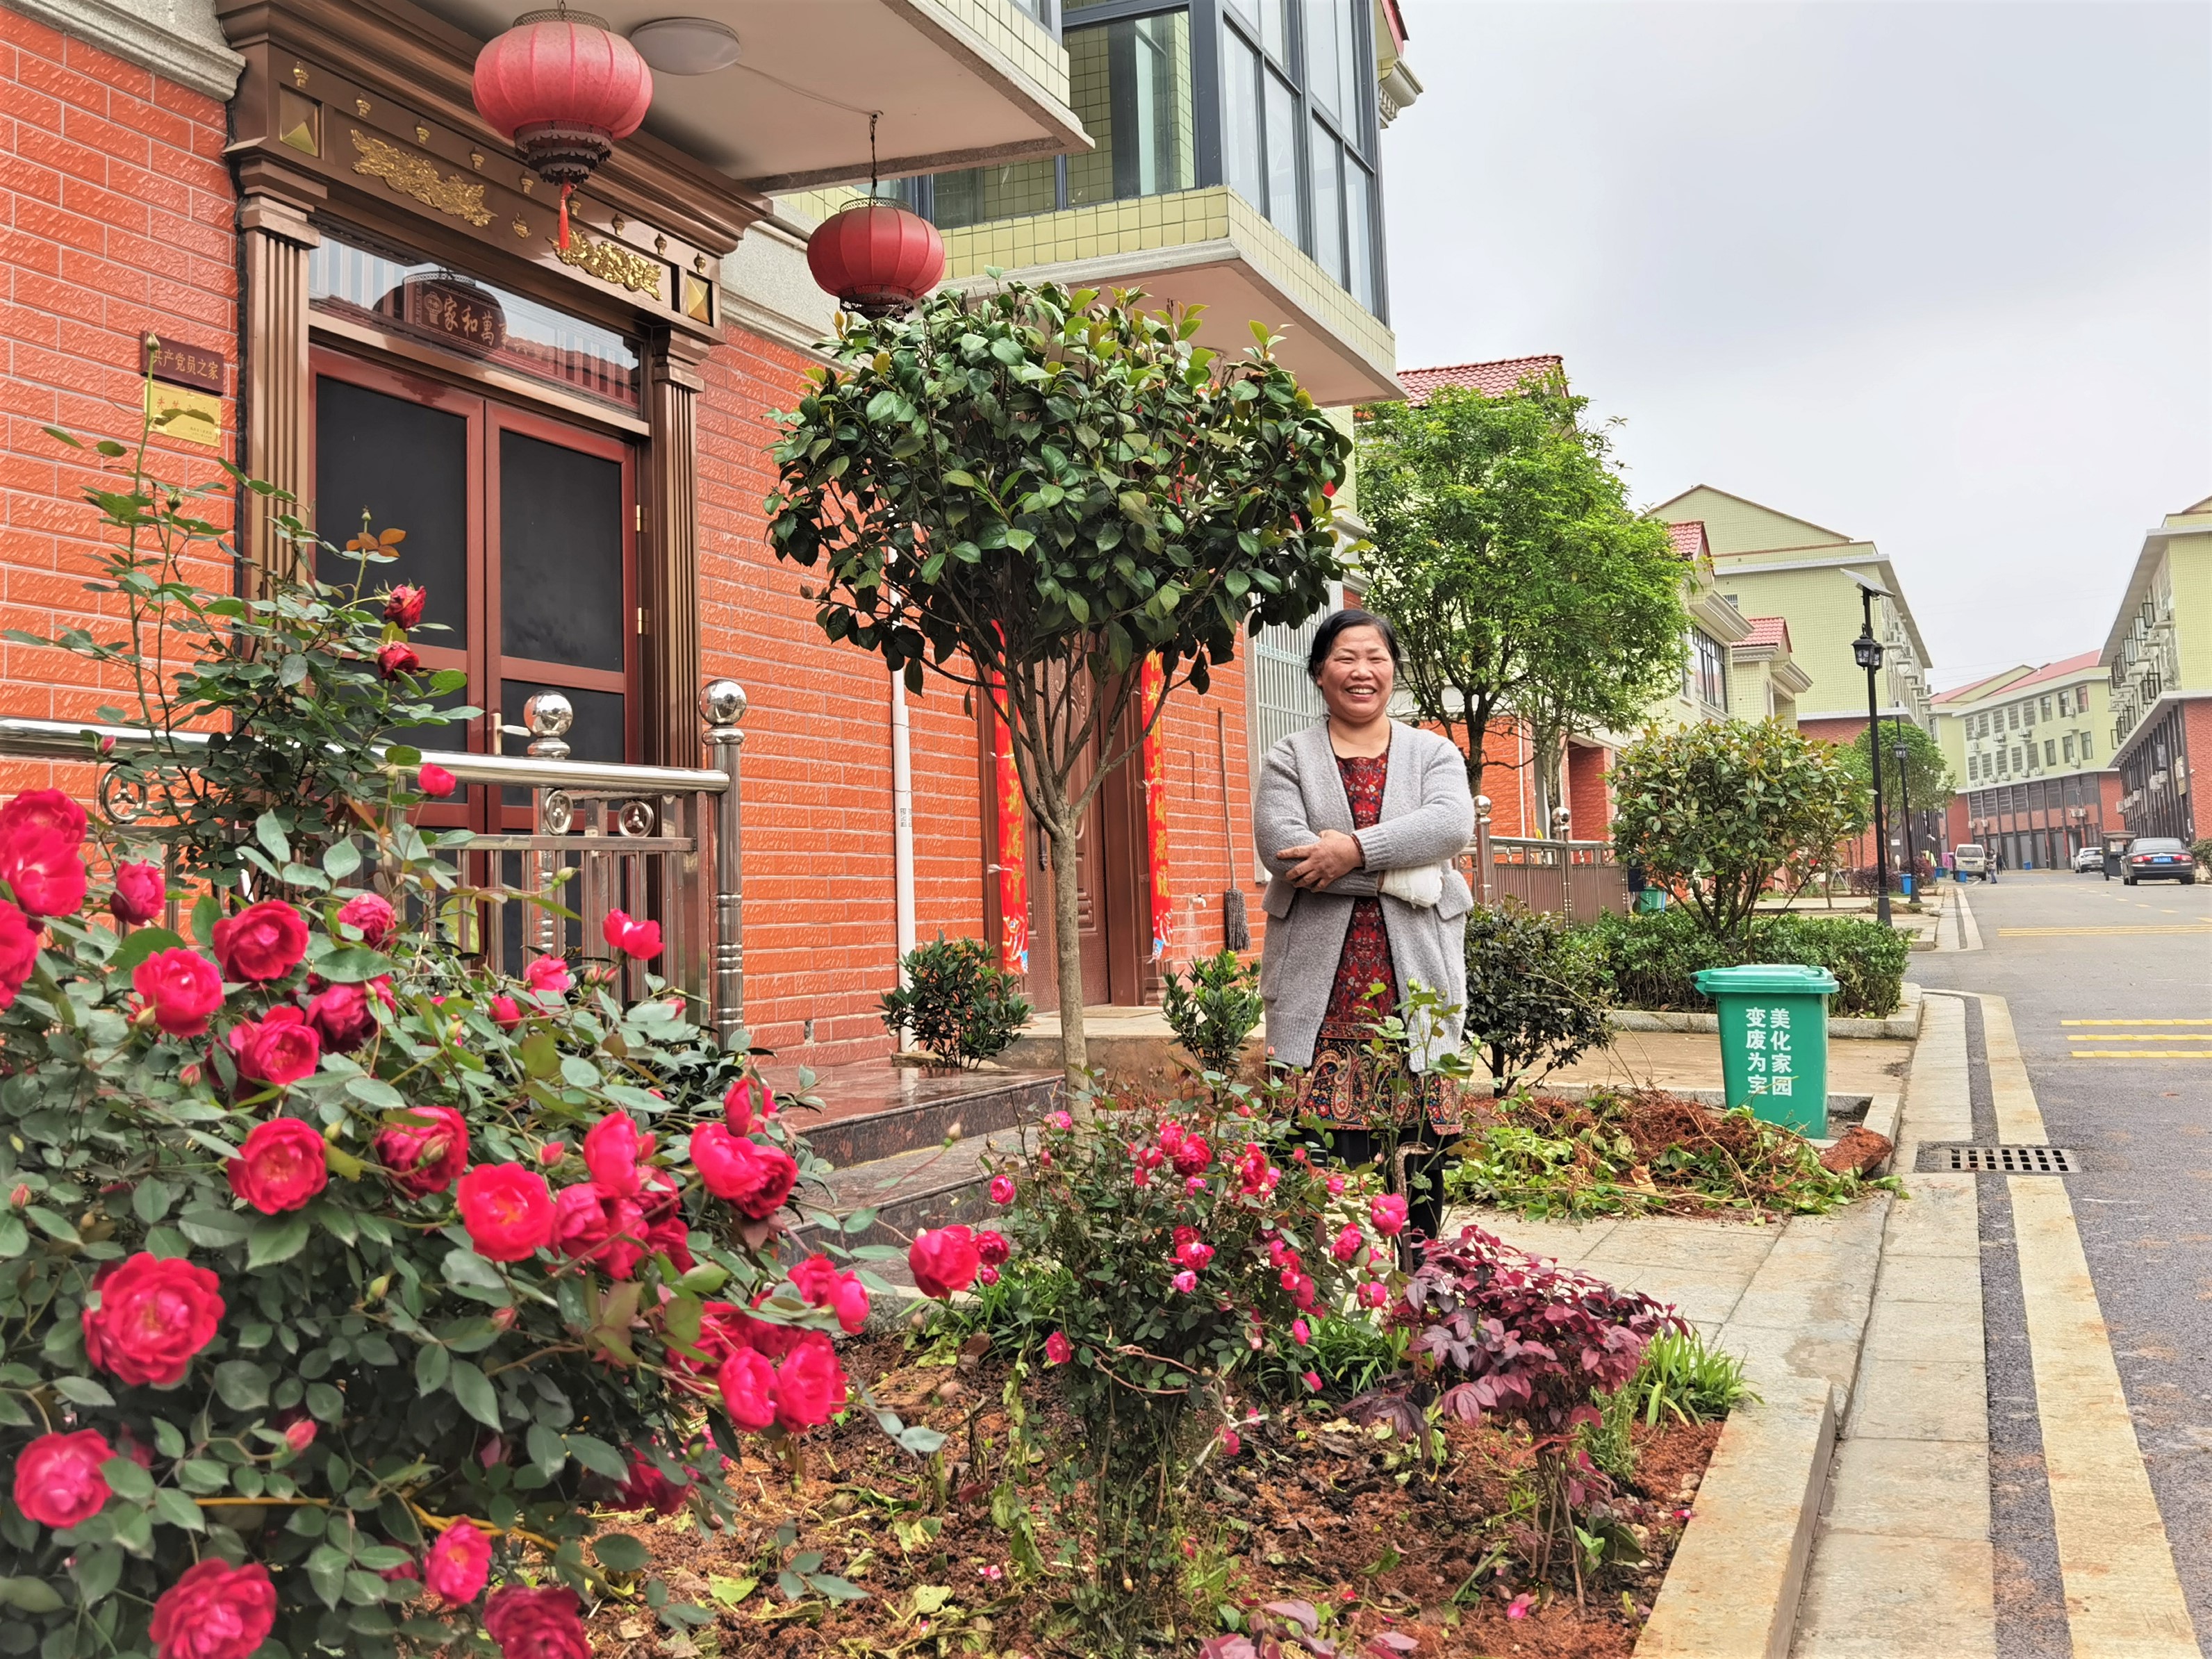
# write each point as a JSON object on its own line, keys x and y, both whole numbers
{"x": 662, "y": 841}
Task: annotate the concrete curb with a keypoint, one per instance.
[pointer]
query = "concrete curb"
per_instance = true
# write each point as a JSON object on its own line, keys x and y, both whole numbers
{"x": 1731, "y": 1591}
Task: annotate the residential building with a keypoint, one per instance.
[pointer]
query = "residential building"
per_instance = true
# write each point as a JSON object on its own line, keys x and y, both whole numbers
{"x": 1768, "y": 681}
{"x": 2158, "y": 665}
{"x": 305, "y": 199}
{"x": 2031, "y": 748}
{"x": 1768, "y": 564}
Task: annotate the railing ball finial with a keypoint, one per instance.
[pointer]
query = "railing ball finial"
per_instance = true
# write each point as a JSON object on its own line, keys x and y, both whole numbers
{"x": 723, "y": 702}
{"x": 1482, "y": 807}
{"x": 549, "y": 715}
{"x": 1561, "y": 818}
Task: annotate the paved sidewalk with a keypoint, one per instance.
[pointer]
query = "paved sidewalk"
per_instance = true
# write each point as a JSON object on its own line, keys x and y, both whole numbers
{"x": 1902, "y": 1563}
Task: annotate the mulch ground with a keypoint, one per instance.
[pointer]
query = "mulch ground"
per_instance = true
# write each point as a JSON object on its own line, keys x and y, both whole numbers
{"x": 1312, "y": 1510}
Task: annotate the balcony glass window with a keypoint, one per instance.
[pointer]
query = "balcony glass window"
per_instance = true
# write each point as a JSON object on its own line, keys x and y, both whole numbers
{"x": 1282, "y": 202}
{"x": 1130, "y": 83}
{"x": 1294, "y": 111}
{"x": 1328, "y": 163}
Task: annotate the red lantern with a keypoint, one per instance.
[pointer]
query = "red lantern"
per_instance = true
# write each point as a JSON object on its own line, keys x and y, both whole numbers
{"x": 875, "y": 257}
{"x": 562, "y": 87}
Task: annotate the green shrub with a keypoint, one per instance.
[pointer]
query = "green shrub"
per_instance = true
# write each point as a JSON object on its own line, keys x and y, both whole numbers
{"x": 959, "y": 1005}
{"x": 1653, "y": 960}
{"x": 1214, "y": 1011}
{"x": 2201, "y": 850}
{"x": 1536, "y": 992}
{"x": 1679, "y": 1374}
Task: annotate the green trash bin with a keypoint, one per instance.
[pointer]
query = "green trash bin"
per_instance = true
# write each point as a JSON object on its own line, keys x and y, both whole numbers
{"x": 1774, "y": 1041}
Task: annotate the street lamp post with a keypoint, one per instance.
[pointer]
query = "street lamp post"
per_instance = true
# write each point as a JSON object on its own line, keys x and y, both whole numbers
{"x": 1865, "y": 651}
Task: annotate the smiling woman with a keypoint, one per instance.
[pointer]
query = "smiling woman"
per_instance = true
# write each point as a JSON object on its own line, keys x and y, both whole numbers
{"x": 1358, "y": 820}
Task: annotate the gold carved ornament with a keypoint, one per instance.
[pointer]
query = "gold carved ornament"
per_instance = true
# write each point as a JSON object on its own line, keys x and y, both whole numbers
{"x": 612, "y": 263}
{"x": 411, "y": 175}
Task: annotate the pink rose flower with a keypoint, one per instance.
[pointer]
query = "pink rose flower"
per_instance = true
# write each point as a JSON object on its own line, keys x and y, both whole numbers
{"x": 640, "y": 939}
{"x": 140, "y": 891}
{"x": 1002, "y": 1190}
{"x": 944, "y": 1261}
{"x": 1388, "y": 1211}
{"x": 506, "y": 1012}
{"x": 549, "y": 976}
{"x": 343, "y": 1017}
{"x": 405, "y": 605}
{"x": 756, "y": 1178}
{"x": 435, "y": 780}
{"x": 396, "y": 659}
{"x": 458, "y": 1563}
{"x": 371, "y": 913}
{"x": 1058, "y": 1350}
{"x": 612, "y": 1148}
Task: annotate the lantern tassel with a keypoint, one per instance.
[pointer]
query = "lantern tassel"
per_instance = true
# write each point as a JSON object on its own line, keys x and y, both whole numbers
{"x": 566, "y": 192}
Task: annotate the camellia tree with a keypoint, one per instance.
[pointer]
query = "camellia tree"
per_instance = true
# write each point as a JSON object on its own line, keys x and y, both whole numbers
{"x": 1031, "y": 491}
{"x": 1725, "y": 810}
{"x": 1519, "y": 579}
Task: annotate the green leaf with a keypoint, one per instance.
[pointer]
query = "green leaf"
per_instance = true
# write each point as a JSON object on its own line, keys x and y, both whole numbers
{"x": 150, "y": 1200}
{"x": 206, "y": 912}
{"x": 242, "y": 1385}
{"x": 127, "y": 1480}
{"x": 98, "y": 1572}
{"x": 169, "y": 1439}
{"x": 142, "y": 943}
{"x": 374, "y": 1091}
{"x": 15, "y": 1236}
{"x": 275, "y": 1239}
{"x": 547, "y": 1450}
{"x": 473, "y": 1389}
{"x": 179, "y": 1510}
{"x": 620, "y": 1553}
{"x": 213, "y": 1229}
{"x": 540, "y": 1054}
{"x": 578, "y": 1072}
{"x": 430, "y": 1364}
{"x": 81, "y": 1390}
{"x": 326, "y": 1572}
{"x": 340, "y": 859}
{"x": 598, "y": 1456}
{"x": 353, "y": 964}
{"x": 32, "y": 1596}
{"x": 464, "y": 1266}
{"x": 269, "y": 830}
{"x": 325, "y": 1403}
{"x": 835, "y": 1588}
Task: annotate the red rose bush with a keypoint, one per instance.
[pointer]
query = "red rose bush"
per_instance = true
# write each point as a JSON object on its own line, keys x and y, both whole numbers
{"x": 1192, "y": 1240}
{"x": 344, "y": 1273}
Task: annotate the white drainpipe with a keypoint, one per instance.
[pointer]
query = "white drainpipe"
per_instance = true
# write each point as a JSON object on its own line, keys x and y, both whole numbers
{"x": 902, "y": 829}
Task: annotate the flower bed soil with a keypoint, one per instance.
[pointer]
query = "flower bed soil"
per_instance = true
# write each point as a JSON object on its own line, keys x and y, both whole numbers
{"x": 1312, "y": 1509}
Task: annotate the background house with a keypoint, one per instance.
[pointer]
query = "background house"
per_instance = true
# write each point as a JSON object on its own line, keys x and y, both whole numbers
{"x": 2158, "y": 664}
{"x": 2031, "y": 748}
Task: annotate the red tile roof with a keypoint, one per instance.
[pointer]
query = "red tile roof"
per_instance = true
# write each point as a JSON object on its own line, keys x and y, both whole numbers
{"x": 1689, "y": 538}
{"x": 2070, "y": 668}
{"x": 1491, "y": 379}
{"x": 1766, "y": 630}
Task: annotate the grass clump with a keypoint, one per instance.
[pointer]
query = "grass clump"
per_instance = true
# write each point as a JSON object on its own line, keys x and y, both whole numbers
{"x": 1644, "y": 1152}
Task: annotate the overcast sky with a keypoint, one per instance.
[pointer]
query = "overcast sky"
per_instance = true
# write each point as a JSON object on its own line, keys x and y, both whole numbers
{"x": 1936, "y": 275}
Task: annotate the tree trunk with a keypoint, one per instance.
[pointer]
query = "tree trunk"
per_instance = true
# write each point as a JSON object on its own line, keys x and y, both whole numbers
{"x": 1067, "y": 948}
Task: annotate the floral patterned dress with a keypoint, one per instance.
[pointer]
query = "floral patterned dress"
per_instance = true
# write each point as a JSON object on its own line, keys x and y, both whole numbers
{"x": 1338, "y": 1086}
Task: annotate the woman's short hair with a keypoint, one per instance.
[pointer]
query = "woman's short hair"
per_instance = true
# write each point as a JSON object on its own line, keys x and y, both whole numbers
{"x": 1335, "y": 625}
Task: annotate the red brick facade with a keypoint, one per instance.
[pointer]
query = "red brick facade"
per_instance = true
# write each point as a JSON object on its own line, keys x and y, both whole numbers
{"x": 116, "y": 219}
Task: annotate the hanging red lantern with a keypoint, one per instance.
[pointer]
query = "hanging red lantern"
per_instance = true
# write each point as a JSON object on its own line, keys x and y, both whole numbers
{"x": 875, "y": 257}
{"x": 562, "y": 86}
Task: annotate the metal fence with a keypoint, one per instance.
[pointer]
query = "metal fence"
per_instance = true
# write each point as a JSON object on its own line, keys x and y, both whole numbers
{"x": 654, "y": 841}
{"x": 1576, "y": 879}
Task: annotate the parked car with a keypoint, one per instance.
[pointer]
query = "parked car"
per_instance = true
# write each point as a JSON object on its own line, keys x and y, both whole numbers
{"x": 1969, "y": 858}
{"x": 2088, "y": 860}
{"x": 2161, "y": 858}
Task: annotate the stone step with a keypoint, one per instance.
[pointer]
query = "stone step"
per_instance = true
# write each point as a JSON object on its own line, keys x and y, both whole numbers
{"x": 916, "y": 1160}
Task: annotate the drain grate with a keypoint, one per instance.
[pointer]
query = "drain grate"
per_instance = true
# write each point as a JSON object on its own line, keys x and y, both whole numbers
{"x": 1999, "y": 1160}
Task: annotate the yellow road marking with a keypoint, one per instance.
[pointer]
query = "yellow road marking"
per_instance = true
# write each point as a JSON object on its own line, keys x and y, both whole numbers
{"x": 2141, "y": 1053}
{"x": 2123, "y": 1597}
{"x": 2076, "y": 932}
{"x": 2135, "y": 1022}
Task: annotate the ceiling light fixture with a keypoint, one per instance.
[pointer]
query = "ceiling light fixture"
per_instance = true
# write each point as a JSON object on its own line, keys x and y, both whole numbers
{"x": 686, "y": 45}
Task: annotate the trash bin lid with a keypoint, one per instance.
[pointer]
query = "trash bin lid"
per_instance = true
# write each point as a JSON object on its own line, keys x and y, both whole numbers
{"x": 1767, "y": 979}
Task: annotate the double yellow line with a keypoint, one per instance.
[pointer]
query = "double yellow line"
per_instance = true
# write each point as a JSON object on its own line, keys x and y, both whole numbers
{"x": 2163, "y": 1031}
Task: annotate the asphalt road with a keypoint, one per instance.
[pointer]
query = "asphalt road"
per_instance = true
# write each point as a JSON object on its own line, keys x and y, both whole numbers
{"x": 2132, "y": 1095}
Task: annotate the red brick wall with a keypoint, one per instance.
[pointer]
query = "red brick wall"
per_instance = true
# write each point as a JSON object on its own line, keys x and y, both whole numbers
{"x": 820, "y": 904}
{"x": 1588, "y": 800}
{"x": 2197, "y": 744}
{"x": 1204, "y": 860}
{"x": 116, "y": 218}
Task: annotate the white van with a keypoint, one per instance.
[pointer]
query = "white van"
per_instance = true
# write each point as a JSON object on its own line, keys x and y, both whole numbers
{"x": 1969, "y": 858}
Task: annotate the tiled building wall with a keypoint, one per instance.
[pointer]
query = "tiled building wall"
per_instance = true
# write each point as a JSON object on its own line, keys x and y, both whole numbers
{"x": 116, "y": 219}
{"x": 1204, "y": 858}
